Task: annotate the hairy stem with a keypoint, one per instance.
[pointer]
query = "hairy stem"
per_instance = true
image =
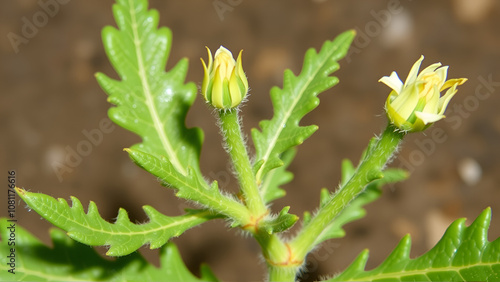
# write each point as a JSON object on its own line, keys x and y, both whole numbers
{"x": 369, "y": 169}
{"x": 279, "y": 259}
{"x": 280, "y": 274}
{"x": 277, "y": 254}
{"x": 235, "y": 144}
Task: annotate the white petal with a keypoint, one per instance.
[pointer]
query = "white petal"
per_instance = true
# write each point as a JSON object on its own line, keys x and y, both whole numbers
{"x": 432, "y": 103}
{"x": 431, "y": 68}
{"x": 443, "y": 101}
{"x": 442, "y": 73}
{"x": 414, "y": 71}
{"x": 428, "y": 117}
{"x": 393, "y": 82}
{"x": 223, "y": 49}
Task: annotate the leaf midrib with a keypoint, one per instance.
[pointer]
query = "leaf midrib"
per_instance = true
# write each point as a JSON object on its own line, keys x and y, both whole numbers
{"x": 131, "y": 232}
{"x": 266, "y": 184}
{"x": 424, "y": 271}
{"x": 158, "y": 125}
{"x": 287, "y": 115}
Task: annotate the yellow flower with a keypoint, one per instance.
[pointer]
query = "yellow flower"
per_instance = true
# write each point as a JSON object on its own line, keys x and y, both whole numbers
{"x": 417, "y": 104}
{"x": 224, "y": 84}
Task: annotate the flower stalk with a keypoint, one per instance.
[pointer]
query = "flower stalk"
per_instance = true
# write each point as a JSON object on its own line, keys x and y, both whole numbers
{"x": 224, "y": 87}
{"x": 235, "y": 145}
{"x": 369, "y": 169}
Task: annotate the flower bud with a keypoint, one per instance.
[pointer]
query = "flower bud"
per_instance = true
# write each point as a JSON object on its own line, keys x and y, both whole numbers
{"x": 224, "y": 84}
{"x": 417, "y": 104}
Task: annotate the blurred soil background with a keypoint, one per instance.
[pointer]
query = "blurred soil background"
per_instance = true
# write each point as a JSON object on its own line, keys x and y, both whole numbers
{"x": 50, "y": 97}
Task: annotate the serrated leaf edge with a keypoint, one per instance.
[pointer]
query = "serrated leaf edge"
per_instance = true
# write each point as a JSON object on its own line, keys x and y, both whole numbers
{"x": 122, "y": 220}
{"x": 288, "y": 76}
{"x": 149, "y": 96}
{"x": 402, "y": 252}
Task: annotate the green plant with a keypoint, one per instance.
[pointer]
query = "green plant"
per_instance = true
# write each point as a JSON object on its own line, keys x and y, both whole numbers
{"x": 153, "y": 104}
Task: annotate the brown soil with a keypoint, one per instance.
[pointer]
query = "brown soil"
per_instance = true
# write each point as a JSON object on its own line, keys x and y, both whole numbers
{"x": 49, "y": 96}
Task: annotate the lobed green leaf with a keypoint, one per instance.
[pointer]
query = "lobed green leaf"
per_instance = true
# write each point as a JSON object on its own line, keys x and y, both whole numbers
{"x": 190, "y": 186}
{"x": 282, "y": 222}
{"x": 154, "y": 103}
{"x": 123, "y": 237}
{"x": 149, "y": 101}
{"x": 270, "y": 188}
{"x": 68, "y": 260}
{"x": 462, "y": 254}
{"x": 297, "y": 98}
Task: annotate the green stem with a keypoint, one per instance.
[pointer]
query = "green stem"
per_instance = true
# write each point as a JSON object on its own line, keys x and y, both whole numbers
{"x": 368, "y": 170}
{"x": 280, "y": 274}
{"x": 278, "y": 256}
{"x": 231, "y": 130}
